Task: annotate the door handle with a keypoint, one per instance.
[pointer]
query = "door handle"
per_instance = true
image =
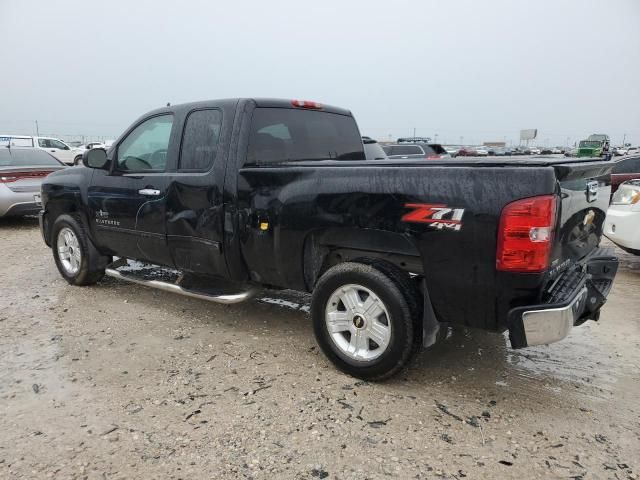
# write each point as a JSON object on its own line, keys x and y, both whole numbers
{"x": 149, "y": 191}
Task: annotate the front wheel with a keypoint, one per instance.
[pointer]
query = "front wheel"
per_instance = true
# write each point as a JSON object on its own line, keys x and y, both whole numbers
{"x": 363, "y": 321}
{"x": 77, "y": 160}
{"x": 77, "y": 259}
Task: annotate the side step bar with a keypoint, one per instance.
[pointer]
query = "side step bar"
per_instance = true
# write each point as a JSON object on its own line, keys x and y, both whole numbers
{"x": 172, "y": 287}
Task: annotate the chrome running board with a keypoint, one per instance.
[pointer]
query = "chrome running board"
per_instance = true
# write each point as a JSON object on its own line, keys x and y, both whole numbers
{"x": 172, "y": 287}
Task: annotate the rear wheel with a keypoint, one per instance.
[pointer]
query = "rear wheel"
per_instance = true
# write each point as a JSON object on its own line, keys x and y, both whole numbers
{"x": 363, "y": 321}
{"x": 77, "y": 259}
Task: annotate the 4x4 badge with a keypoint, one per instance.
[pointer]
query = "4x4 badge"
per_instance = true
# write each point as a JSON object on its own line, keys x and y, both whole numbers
{"x": 436, "y": 215}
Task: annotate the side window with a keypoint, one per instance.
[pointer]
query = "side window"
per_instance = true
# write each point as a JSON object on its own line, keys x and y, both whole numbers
{"x": 200, "y": 140}
{"x": 58, "y": 144}
{"x": 44, "y": 143}
{"x": 145, "y": 148}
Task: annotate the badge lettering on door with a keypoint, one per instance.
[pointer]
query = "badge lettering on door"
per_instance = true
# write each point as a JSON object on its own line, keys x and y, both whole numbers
{"x": 436, "y": 215}
{"x": 102, "y": 218}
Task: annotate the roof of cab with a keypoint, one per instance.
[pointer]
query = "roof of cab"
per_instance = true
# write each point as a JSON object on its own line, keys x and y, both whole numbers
{"x": 259, "y": 102}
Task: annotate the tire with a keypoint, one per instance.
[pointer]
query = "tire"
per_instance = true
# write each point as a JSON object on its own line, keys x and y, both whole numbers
{"x": 373, "y": 320}
{"x": 80, "y": 263}
{"x": 77, "y": 160}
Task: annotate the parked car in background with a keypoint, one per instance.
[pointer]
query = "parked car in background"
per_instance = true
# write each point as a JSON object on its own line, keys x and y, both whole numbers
{"x": 625, "y": 169}
{"x": 620, "y": 151}
{"x": 373, "y": 150}
{"x": 499, "y": 151}
{"x": 534, "y": 151}
{"x": 468, "y": 152}
{"x": 482, "y": 151}
{"x": 452, "y": 150}
{"x": 571, "y": 152}
{"x": 396, "y": 152}
{"x": 90, "y": 145}
{"x": 408, "y": 150}
{"x": 438, "y": 150}
{"x": 21, "y": 173}
{"x": 633, "y": 151}
{"x": 54, "y": 146}
{"x": 557, "y": 151}
{"x": 622, "y": 225}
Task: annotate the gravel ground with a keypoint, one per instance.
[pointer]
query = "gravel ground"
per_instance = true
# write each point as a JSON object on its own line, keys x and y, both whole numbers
{"x": 121, "y": 381}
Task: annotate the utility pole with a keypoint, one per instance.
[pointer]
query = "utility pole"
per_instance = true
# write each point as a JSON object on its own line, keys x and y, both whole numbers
{"x": 414, "y": 132}
{"x": 37, "y": 129}
{"x": 624, "y": 139}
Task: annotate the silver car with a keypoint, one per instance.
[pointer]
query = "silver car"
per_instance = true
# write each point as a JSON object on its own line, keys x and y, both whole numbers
{"x": 21, "y": 173}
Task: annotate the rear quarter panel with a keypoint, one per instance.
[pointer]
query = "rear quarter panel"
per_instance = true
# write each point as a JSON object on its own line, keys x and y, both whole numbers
{"x": 459, "y": 266}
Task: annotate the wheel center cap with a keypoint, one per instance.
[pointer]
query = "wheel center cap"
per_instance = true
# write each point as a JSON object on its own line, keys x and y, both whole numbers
{"x": 358, "y": 321}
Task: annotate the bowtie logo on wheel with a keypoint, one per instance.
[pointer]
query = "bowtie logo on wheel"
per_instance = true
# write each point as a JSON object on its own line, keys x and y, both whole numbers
{"x": 435, "y": 215}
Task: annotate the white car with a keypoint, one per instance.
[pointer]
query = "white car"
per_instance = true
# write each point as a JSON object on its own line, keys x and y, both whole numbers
{"x": 633, "y": 150}
{"x": 482, "y": 151}
{"x": 535, "y": 151}
{"x": 620, "y": 151}
{"x": 622, "y": 225}
{"x": 54, "y": 146}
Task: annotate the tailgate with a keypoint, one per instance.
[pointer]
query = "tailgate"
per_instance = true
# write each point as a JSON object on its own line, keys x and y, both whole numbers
{"x": 585, "y": 188}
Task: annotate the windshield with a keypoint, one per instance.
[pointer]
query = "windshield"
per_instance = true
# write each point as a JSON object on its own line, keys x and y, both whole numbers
{"x": 589, "y": 144}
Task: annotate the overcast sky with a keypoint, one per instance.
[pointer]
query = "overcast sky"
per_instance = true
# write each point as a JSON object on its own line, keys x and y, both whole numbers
{"x": 481, "y": 70}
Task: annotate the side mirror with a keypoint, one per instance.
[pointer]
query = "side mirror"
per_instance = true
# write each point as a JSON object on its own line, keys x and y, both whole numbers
{"x": 95, "y": 158}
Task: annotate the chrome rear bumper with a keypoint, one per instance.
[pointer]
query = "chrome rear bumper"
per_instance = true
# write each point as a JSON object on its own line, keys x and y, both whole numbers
{"x": 552, "y": 325}
{"x": 588, "y": 284}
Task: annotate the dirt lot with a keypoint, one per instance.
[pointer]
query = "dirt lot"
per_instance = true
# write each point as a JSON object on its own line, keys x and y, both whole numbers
{"x": 121, "y": 381}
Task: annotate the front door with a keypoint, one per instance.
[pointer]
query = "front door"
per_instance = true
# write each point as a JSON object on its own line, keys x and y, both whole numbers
{"x": 195, "y": 213}
{"x": 128, "y": 203}
{"x": 58, "y": 149}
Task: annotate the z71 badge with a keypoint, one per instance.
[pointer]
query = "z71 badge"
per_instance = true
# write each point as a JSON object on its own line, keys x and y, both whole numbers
{"x": 435, "y": 215}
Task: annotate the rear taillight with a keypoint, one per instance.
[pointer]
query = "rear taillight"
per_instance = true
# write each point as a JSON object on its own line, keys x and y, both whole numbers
{"x": 525, "y": 234}
{"x": 433, "y": 157}
{"x": 9, "y": 177}
{"x": 306, "y": 104}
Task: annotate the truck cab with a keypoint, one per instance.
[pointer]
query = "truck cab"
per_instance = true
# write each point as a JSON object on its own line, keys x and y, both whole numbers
{"x": 596, "y": 145}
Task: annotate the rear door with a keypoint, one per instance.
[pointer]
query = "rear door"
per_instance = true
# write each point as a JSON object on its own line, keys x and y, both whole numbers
{"x": 278, "y": 138}
{"x": 128, "y": 204}
{"x": 195, "y": 214}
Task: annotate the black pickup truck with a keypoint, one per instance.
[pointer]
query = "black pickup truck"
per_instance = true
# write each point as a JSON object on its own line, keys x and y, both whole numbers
{"x": 246, "y": 193}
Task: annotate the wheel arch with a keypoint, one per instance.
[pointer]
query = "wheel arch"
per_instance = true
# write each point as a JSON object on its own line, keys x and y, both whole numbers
{"x": 326, "y": 248}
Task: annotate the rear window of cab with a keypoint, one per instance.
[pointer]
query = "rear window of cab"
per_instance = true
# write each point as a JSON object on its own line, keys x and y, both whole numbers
{"x": 287, "y": 134}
